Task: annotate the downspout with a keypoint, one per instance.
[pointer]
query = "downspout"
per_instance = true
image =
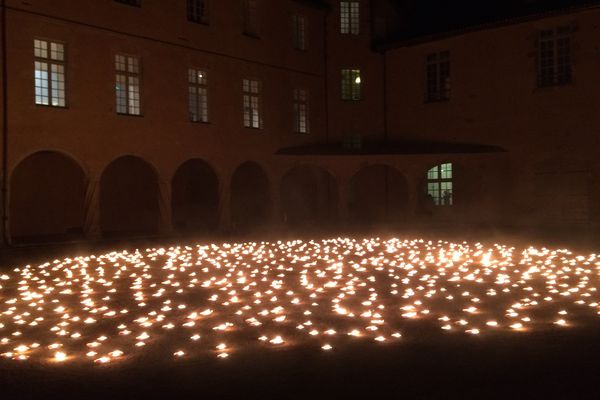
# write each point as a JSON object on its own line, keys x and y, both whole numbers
{"x": 5, "y": 234}
{"x": 326, "y": 73}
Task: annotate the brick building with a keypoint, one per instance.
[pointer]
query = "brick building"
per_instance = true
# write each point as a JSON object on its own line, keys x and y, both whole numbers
{"x": 147, "y": 117}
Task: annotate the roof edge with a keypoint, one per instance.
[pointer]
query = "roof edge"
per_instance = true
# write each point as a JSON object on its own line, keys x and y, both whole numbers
{"x": 416, "y": 40}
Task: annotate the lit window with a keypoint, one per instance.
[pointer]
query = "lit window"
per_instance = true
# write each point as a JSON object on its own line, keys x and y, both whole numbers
{"x": 251, "y": 95}
{"x": 127, "y": 84}
{"x": 198, "y": 95}
{"x": 438, "y": 77}
{"x": 299, "y": 32}
{"x": 49, "y": 73}
{"x": 197, "y": 11}
{"x": 439, "y": 184}
{"x": 554, "y": 57}
{"x": 300, "y": 111}
{"x": 251, "y": 17}
{"x": 350, "y": 17}
{"x": 351, "y": 84}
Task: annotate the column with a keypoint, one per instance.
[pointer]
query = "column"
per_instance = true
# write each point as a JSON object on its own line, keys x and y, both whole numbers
{"x": 91, "y": 225}
{"x": 166, "y": 213}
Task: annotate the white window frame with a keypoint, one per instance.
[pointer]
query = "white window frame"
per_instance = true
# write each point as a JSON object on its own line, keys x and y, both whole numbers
{"x": 251, "y": 106}
{"x": 198, "y": 95}
{"x": 440, "y": 179}
{"x": 50, "y": 74}
{"x": 350, "y": 17}
{"x": 299, "y": 32}
{"x": 351, "y": 84}
{"x": 128, "y": 74}
{"x": 301, "y": 111}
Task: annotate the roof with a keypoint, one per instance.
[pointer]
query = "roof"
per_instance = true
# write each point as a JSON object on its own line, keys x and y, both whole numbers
{"x": 429, "y": 20}
{"x": 388, "y": 148}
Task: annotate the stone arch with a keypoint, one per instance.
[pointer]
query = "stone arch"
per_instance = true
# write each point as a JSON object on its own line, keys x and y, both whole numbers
{"x": 47, "y": 198}
{"x": 129, "y": 198}
{"x": 309, "y": 197}
{"x": 250, "y": 197}
{"x": 195, "y": 197}
{"x": 378, "y": 196}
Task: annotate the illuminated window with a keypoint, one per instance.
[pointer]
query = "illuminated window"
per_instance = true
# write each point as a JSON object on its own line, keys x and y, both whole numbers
{"x": 197, "y": 11}
{"x": 135, "y": 3}
{"x": 438, "y": 77}
{"x": 198, "y": 95}
{"x": 251, "y": 98}
{"x": 554, "y": 57}
{"x": 300, "y": 111}
{"x": 299, "y": 32}
{"x": 49, "y": 73}
{"x": 351, "y": 84}
{"x": 127, "y": 87}
{"x": 439, "y": 184}
{"x": 251, "y": 17}
{"x": 350, "y": 17}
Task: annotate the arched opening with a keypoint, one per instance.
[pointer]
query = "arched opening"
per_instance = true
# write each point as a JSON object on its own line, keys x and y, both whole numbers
{"x": 378, "y": 196}
{"x": 129, "y": 198}
{"x": 309, "y": 198}
{"x": 250, "y": 200}
{"x": 47, "y": 199}
{"x": 195, "y": 197}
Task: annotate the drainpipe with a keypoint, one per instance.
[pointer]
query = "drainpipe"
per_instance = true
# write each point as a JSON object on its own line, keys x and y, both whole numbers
{"x": 326, "y": 72}
{"x": 5, "y": 234}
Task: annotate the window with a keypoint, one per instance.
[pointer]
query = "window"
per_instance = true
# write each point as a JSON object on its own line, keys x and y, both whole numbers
{"x": 351, "y": 84}
{"x": 251, "y": 92}
{"x": 300, "y": 111}
{"x": 197, "y": 11}
{"x": 136, "y": 3}
{"x": 350, "y": 17}
{"x": 127, "y": 84}
{"x": 439, "y": 184}
{"x": 438, "y": 77}
{"x": 49, "y": 73}
{"x": 198, "y": 95}
{"x": 299, "y": 32}
{"x": 554, "y": 57}
{"x": 251, "y": 17}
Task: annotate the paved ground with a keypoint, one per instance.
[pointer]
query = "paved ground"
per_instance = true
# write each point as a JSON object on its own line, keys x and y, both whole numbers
{"x": 558, "y": 365}
{"x": 553, "y": 363}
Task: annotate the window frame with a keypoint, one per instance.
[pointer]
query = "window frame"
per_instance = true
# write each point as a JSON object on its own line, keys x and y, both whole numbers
{"x": 191, "y": 6}
{"x": 301, "y": 100}
{"x": 251, "y": 95}
{"x": 299, "y": 32}
{"x": 128, "y": 76}
{"x": 441, "y": 183}
{"x": 202, "y": 109}
{"x": 438, "y": 88}
{"x": 554, "y": 37}
{"x": 349, "y": 17}
{"x": 50, "y": 62}
{"x": 349, "y": 86}
{"x": 250, "y": 18}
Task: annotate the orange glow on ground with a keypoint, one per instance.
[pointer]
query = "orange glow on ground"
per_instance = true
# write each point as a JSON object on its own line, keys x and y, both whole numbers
{"x": 216, "y": 300}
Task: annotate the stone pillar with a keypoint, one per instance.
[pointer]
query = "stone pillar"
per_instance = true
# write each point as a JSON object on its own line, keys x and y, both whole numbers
{"x": 166, "y": 212}
{"x": 225, "y": 224}
{"x": 412, "y": 205}
{"x": 276, "y": 214}
{"x": 91, "y": 225}
{"x": 344, "y": 202}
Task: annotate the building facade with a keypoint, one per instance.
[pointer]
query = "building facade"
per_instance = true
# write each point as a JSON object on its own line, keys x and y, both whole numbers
{"x": 127, "y": 118}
